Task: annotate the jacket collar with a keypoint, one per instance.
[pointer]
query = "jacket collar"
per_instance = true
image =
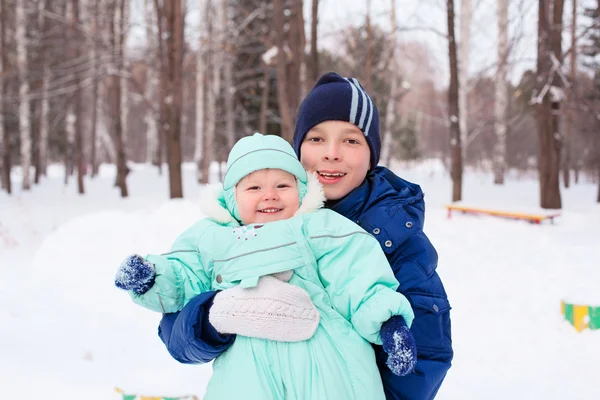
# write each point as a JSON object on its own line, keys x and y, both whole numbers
{"x": 382, "y": 189}
{"x": 212, "y": 203}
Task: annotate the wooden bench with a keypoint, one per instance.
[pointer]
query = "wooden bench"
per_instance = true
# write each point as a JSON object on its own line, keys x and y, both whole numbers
{"x": 531, "y": 218}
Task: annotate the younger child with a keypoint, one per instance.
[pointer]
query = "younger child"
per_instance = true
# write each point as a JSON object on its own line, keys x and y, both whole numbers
{"x": 266, "y": 227}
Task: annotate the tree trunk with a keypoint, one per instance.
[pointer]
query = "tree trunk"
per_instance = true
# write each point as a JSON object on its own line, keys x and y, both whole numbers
{"x": 548, "y": 107}
{"x": 117, "y": 45}
{"x": 24, "y": 113}
{"x": 264, "y": 101}
{"x": 287, "y": 130}
{"x": 79, "y": 161}
{"x": 390, "y": 112}
{"x": 464, "y": 49}
{"x": 570, "y": 100}
{"x": 95, "y": 101}
{"x": 501, "y": 95}
{"x": 213, "y": 91}
{"x": 150, "y": 115}
{"x": 453, "y": 108}
{"x": 368, "y": 80}
{"x": 228, "y": 84}
{"x": 314, "y": 51}
{"x": 174, "y": 43}
{"x": 598, "y": 197}
{"x": 201, "y": 65}
{"x": 4, "y": 142}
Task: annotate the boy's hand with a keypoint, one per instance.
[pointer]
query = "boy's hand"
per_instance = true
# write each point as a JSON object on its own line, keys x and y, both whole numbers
{"x": 135, "y": 274}
{"x": 399, "y": 344}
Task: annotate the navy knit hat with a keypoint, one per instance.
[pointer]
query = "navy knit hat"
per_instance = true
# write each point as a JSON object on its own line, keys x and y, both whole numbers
{"x": 335, "y": 98}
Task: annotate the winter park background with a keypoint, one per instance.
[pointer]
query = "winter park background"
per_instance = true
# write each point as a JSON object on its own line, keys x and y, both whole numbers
{"x": 67, "y": 332}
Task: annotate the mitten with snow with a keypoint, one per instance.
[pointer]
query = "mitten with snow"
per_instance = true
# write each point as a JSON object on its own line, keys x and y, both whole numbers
{"x": 136, "y": 274}
{"x": 399, "y": 344}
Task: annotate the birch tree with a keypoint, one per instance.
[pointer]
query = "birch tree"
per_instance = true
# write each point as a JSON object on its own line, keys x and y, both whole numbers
{"x": 45, "y": 101}
{"x": 501, "y": 94}
{"x": 200, "y": 87}
{"x": 228, "y": 74}
{"x": 213, "y": 91}
{"x": 152, "y": 82}
{"x": 24, "y": 114}
{"x": 390, "y": 112}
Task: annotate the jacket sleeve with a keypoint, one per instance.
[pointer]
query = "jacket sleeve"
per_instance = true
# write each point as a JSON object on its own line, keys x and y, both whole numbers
{"x": 415, "y": 263}
{"x": 180, "y": 276}
{"x": 360, "y": 282}
{"x": 189, "y": 336}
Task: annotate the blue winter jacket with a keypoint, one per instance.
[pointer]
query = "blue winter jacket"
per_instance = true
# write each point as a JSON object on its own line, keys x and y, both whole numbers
{"x": 392, "y": 210}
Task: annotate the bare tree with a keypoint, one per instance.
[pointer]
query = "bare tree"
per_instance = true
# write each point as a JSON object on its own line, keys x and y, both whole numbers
{"x": 24, "y": 114}
{"x": 570, "y": 99}
{"x": 228, "y": 59}
{"x": 117, "y": 48}
{"x": 4, "y": 143}
{"x": 170, "y": 15}
{"x": 95, "y": 106}
{"x": 390, "y": 112}
{"x": 456, "y": 169}
{"x": 76, "y": 45}
{"x": 152, "y": 82}
{"x": 368, "y": 79}
{"x": 314, "y": 51}
{"x": 464, "y": 49}
{"x": 287, "y": 129}
{"x": 548, "y": 98}
{"x": 201, "y": 65}
{"x": 501, "y": 101}
{"x": 45, "y": 101}
{"x": 215, "y": 37}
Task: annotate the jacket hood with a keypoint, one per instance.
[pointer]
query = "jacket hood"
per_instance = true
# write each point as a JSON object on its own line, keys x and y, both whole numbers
{"x": 214, "y": 206}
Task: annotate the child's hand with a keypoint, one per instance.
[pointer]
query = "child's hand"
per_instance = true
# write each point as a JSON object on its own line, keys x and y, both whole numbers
{"x": 135, "y": 274}
{"x": 399, "y": 344}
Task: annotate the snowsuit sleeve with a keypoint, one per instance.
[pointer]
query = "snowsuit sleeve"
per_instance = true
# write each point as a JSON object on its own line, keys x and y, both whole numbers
{"x": 180, "y": 276}
{"x": 359, "y": 280}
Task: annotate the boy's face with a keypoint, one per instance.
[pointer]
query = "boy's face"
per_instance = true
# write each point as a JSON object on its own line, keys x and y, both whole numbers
{"x": 338, "y": 152}
{"x": 267, "y": 195}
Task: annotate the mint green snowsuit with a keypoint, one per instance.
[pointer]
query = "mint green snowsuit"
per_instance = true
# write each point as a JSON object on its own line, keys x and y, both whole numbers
{"x": 341, "y": 266}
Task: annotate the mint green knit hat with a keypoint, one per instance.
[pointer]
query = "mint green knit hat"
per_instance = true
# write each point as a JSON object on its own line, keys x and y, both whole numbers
{"x": 256, "y": 152}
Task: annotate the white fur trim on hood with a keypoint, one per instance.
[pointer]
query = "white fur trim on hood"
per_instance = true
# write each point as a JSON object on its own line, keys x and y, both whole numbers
{"x": 212, "y": 208}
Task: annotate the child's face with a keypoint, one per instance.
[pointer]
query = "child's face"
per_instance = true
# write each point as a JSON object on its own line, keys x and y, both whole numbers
{"x": 267, "y": 195}
{"x": 338, "y": 152}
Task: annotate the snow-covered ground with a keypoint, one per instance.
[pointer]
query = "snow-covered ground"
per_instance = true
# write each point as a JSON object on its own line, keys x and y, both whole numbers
{"x": 66, "y": 332}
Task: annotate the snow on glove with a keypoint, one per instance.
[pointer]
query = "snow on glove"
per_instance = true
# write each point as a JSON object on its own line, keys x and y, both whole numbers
{"x": 399, "y": 344}
{"x": 273, "y": 310}
{"x": 136, "y": 274}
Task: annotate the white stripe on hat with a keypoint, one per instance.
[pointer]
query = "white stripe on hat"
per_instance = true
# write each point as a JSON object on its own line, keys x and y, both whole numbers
{"x": 354, "y": 104}
{"x": 364, "y": 103}
{"x": 370, "y": 118}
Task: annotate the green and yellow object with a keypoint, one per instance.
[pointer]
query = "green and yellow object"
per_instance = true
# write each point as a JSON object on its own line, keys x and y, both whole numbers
{"x": 581, "y": 316}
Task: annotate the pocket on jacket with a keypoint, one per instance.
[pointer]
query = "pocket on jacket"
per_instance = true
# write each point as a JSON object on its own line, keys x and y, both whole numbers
{"x": 431, "y": 327}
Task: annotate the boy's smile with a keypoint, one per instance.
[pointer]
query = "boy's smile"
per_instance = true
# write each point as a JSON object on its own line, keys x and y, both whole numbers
{"x": 338, "y": 152}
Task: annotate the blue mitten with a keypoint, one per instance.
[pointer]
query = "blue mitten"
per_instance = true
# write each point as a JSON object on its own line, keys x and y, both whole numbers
{"x": 135, "y": 274}
{"x": 399, "y": 344}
